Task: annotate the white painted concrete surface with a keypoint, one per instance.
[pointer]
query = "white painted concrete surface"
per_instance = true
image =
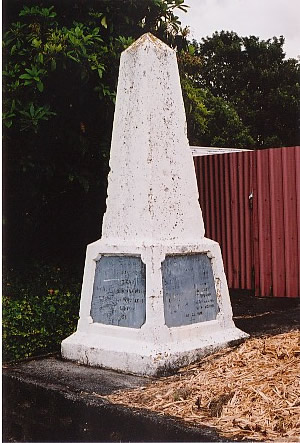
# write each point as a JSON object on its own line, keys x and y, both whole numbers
{"x": 200, "y": 151}
{"x": 152, "y": 196}
{"x": 152, "y": 210}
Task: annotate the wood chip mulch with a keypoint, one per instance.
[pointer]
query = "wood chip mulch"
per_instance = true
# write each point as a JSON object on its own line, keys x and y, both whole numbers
{"x": 250, "y": 392}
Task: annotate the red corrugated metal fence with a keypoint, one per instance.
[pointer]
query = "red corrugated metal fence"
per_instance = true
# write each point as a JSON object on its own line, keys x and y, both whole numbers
{"x": 251, "y": 206}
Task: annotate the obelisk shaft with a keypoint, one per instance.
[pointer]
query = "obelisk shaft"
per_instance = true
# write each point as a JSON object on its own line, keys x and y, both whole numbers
{"x": 152, "y": 189}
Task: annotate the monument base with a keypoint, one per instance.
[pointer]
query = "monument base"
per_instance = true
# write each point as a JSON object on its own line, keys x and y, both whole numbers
{"x": 136, "y": 357}
{"x": 151, "y": 309}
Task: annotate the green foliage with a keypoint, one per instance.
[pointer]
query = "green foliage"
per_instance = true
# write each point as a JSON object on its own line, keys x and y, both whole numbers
{"x": 196, "y": 111}
{"x": 38, "y": 11}
{"x": 224, "y": 126}
{"x": 34, "y": 51}
{"x": 211, "y": 120}
{"x": 37, "y": 315}
{"x": 43, "y": 44}
{"x": 33, "y": 77}
{"x": 31, "y": 116}
{"x": 256, "y": 80}
{"x": 240, "y": 91}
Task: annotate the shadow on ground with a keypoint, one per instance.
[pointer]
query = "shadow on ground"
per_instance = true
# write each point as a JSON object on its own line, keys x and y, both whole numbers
{"x": 264, "y": 315}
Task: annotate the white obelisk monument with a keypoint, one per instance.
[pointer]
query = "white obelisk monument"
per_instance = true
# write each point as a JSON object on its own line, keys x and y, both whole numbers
{"x": 154, "y": 294}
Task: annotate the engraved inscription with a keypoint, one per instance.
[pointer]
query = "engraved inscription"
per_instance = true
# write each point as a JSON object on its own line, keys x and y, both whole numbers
{"x": 119, "y": 293}
{"x": 189, "y": 289}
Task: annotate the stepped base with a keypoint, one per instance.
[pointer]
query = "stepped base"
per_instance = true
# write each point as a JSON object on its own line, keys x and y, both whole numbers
{"x": 149, "y": 310}
{"x": 144, "y": 358}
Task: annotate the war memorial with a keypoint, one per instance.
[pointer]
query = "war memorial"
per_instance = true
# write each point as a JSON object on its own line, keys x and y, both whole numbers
{"x": 154, "y": 294}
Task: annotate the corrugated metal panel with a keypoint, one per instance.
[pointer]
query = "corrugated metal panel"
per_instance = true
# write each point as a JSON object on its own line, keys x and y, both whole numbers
{"x": 262, "y": 225}
{"x": 259, "y": 237}
{"x": 225, "y": 183}
{"x": 278, "y": 220}
{"x": 297, "y": 163}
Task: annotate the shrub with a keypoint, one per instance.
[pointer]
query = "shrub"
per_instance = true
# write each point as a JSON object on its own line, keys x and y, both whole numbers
{"x": 36, "y": 324}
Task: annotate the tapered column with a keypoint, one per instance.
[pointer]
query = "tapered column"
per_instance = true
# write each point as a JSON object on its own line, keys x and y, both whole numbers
{"x": 152, "y": 188}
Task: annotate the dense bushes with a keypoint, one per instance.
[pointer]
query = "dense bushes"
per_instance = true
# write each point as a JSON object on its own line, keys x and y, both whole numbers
{"x": 37, "y": 317}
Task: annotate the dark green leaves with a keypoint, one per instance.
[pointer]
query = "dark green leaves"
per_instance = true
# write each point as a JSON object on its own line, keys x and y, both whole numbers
{"x": 38, "y": 11}
{"x": 261, "y": 90}
{"x": 37, "y": 314}
{"x": 9, "y": 115}
{"x": 33, "y": 115}
{"x": 40, "y": 51}
{"x": 43, "y": 43}
{"x": 33, "y": 75}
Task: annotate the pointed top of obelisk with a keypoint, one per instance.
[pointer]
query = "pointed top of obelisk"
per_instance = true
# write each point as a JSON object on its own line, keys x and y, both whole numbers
{"x": 148, "y": 39}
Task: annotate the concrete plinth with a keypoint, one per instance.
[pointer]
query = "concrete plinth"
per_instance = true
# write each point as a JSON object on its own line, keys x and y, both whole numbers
{"x": 154, "y": 293}
{"x": 154, "y": 348}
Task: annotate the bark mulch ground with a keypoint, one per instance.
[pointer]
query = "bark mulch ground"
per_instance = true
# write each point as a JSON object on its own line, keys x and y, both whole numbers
{"x": 251, "y": 391}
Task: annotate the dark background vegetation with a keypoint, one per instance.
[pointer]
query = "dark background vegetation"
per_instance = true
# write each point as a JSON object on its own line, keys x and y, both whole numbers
{"x": 60, "y": 69}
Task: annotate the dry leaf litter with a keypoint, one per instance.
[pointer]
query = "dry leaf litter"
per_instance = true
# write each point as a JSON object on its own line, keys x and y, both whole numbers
{"x": 251, "y": 392}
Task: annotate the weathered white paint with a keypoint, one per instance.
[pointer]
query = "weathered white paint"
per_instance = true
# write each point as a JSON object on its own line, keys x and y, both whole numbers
{"x": 152, "y": 195}
{"x": 152, "y": 210}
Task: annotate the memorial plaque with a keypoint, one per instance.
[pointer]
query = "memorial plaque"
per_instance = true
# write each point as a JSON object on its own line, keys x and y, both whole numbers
{"x": 119, "y": 293}
{"x": 189, "y": 289}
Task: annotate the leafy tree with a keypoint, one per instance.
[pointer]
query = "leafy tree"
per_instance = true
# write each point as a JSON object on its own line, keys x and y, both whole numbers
{"x": 211, "y": 120}
{"x": 224, "y": 125}
{"x": 255, "y": 79}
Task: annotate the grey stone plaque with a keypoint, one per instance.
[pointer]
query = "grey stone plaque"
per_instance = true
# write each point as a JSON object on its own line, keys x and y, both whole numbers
{"x": 189, "y": 289}
{"x": 119, "y": 293}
